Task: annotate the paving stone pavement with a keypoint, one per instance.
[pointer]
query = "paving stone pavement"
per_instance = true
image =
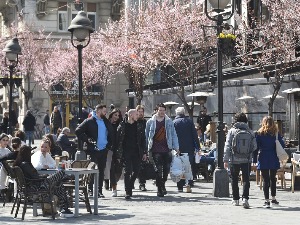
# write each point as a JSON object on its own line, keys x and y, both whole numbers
{"x": 198, "y": 207}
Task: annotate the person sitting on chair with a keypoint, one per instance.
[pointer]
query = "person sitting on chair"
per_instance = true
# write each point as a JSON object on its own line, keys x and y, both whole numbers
{"x": 42, "y": 159}
{"x": 65, "y": 144}
{"x": 24, "y": 162}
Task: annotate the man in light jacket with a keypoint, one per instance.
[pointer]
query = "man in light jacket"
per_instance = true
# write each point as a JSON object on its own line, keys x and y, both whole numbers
{"x": 161, "y": 138}
{"x": 239, "y": 161}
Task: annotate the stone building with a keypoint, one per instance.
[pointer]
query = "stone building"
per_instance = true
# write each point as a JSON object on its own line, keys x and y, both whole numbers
{"x": 55, "y": 16}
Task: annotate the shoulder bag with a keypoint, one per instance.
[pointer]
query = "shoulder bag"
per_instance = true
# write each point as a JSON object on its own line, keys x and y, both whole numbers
{"x": 281, "y": 153}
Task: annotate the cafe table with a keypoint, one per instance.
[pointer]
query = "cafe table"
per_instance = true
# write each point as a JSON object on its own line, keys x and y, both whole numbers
{"x": 76, "y": 172}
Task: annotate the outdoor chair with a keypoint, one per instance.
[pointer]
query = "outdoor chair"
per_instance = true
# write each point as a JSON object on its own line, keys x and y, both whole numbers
{"x": 83, "y": 184}
{"x": 9, "y": 191}
{"x": 296, "y": 170}
{"x": 202, "y": 169}
{"x": 27, "y": 196}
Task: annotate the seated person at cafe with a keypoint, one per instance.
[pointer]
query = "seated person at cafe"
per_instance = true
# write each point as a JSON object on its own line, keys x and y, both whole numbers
{"x": 65, "y": 144}
{"x": 54, "y": 148}
{"x": 209, "y": 158}
{"x": 24, "y": 162}
{"x": 42, "y": 159}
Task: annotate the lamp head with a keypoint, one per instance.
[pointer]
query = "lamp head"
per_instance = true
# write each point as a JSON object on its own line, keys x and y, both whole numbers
{"x": 81, "y": 26}
{"x": 12, "y": 49}
{"x": 218, "y": 5}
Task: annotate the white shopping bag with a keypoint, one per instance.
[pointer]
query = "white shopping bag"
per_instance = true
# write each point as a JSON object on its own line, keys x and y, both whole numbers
{"x": 188, "y": 175}
{"x": 177, "y": 169}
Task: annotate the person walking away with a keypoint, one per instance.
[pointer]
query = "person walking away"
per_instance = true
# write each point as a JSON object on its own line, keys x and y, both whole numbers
{"x": 161, "y": 138}
{"x": 65, "y": 144}
{"x": 131, "y": 149}
{"x": 239, "y": 145}
{"x": 188, "y": 141}
{"x": 29, "y": 124}
{"x": 97, "y": 132}
{"x": 46, "y": 121}
{"x": 55, "y": 119}
{"x": 142, "y": 174}
{"x": 268, "y": 162}
{"x": 203, "y": 120}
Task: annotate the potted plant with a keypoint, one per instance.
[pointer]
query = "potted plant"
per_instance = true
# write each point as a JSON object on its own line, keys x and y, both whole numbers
{"x": 226, "y": 43}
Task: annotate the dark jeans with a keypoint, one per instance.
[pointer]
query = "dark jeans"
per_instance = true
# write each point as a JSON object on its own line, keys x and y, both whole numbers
{"x": 162, "y": 162}
{"x": 235, "y": 171}
{"x": 99, "y": 157}
{"x": 112, "y": 178}
{"x": 269, "y": 177}
{"x": 142, "y": 174}
{"x": 132, "y": 164}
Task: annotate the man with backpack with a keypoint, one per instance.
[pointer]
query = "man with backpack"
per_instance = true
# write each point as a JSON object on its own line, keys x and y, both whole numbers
{"x": 239, "y": 145}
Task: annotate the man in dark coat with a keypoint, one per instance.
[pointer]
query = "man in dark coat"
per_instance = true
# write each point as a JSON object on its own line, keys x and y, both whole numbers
{"x": 46, "y": 121}
{"x": 65, "y": 144}
{"x": 29, "y": 124}
{"x": 131, "y": 149}
{"x": 188, "y": 140}
{"x": 97, "y": 132}
{"x": 203, "y": 120}
{"x": 56, "y": 120}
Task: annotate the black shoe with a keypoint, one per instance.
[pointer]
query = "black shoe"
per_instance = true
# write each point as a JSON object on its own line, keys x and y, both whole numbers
{"x": 274, "y": 202}
{"x": 100, "y": 195}
{"x": 142, "y": 187}
{"x": 163, "y": 189}
{"x": 266, "y": 205}
{"x": 180, "y": 189}
{"x": 160, "y": 193}
{"x": 127, "y": 196}
{"x": 106, "y": 184}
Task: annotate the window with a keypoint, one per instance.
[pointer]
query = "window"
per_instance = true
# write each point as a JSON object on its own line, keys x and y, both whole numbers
{"x": 67, "y": 14}
{"x": 63, "y": 21}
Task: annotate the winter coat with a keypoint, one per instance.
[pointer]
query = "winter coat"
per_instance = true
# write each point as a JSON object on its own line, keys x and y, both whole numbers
{"x": 171, "y": 135}
{"x": 56, "y": 119}
{"x": 89, "y": 129}
{"x": 187, "y": 134}
{"x": 29, "y": 122}
{"x": 267, "y": 157}
{"x": 46, "y": 119}
{"x": 237, "y": 158}
{"x": 141, "y": 139}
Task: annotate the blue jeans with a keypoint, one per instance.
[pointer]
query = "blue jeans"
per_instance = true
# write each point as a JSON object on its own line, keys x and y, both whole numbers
{"x": 47, "y": 129}
{"x": 29, "y": 136}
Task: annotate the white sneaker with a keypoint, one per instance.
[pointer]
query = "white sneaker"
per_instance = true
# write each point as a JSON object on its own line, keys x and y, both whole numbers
{"x": 235, "y": 202}
{"x": 246, "y": 204}
{"x": 114, "y": 193}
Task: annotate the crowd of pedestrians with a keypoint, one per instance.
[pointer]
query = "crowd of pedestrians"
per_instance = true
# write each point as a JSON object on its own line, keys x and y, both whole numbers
{"x": 132, "y": 143}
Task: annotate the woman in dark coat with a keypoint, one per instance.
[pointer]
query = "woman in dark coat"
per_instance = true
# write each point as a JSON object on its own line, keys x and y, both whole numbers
{"x": 268, "y": 162}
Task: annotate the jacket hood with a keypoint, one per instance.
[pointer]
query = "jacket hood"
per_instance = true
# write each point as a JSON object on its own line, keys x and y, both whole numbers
{"x": 241, "y": 125}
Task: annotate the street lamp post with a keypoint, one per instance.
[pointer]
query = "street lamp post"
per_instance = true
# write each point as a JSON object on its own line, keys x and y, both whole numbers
{"x": 221, "y": 180}
{"x": 81, "y": 28}
{"x": 12, "y": 50}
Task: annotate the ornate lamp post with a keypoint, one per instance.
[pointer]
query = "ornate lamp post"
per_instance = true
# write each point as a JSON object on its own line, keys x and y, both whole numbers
{"x": 12, "y": 50}
{"x": 80, "y": 28}
{"x": 221, "y": 180}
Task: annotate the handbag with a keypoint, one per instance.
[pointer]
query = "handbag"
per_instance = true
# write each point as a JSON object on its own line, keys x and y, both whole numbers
{"x": 281, "y": 153}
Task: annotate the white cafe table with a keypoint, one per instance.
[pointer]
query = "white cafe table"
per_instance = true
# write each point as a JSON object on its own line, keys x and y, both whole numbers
{"x": 77, "y": 172}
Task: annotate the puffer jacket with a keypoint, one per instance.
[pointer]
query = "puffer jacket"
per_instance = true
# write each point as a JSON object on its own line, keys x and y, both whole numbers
{"x": 237, "y": 158}
{"x": 171, "y": 135}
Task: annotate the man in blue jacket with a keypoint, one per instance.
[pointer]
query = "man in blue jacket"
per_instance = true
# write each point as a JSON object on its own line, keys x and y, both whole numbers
{"x": 96, "y": 131}
{"x": 188, "y": 140}
{"x": 161, "y": 138}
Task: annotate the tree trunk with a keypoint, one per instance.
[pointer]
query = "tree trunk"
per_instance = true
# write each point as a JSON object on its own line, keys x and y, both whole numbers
{"x": 270, "y": 107}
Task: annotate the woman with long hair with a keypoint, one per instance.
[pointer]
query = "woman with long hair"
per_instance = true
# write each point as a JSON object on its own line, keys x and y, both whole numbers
{"x": 268, "y": 162}
{"x": 54, "y": 148}
{"x": 24, "y": 162}
{"x": 42, "y": 159}
{"x": 115, "y": 117}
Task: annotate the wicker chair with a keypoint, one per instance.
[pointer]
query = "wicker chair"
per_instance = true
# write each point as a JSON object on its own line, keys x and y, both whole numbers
{"x": 83, "y": 185}
{"x": 8, "y": 193}
{"x": 27, "y": 196}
